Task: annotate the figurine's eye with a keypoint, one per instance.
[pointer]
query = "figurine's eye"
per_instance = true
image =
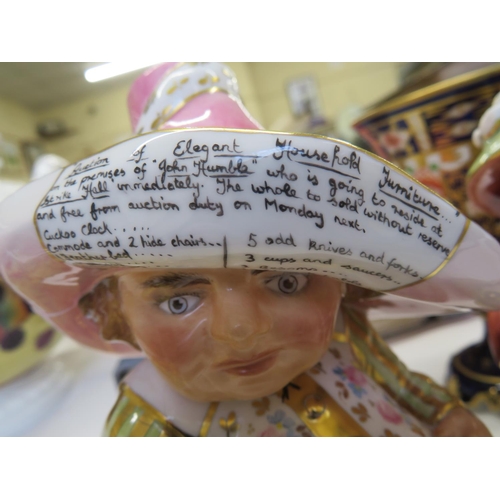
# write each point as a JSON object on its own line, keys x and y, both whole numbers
{"x": 180, "y": 305}
{"x": 287, "y": 283}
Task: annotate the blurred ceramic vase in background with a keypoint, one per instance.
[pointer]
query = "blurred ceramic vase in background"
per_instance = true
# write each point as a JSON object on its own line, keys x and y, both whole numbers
{"x": 33, "y": 377}
{"x": 428, "y": 133}
{"x": 25, "y": 338}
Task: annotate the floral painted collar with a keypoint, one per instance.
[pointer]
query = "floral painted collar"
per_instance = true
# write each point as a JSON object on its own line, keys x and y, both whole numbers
{"x": 334, "y": 398}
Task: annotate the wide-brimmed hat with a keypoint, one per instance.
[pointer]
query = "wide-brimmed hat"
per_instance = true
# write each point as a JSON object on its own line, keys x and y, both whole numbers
{"x": 212, "y": 194}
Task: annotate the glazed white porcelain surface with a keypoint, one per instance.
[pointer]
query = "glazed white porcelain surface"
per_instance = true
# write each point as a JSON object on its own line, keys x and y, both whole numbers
{"x": 258, "y": 200}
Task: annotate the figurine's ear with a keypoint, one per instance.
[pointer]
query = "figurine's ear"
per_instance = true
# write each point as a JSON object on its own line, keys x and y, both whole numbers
{"x": 103, "y": 305}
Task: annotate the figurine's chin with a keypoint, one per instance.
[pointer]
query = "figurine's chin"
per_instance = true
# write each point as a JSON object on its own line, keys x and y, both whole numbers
{"x": 264, "y": 378}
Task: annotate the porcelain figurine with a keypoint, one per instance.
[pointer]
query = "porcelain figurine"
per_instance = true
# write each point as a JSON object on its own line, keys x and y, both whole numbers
{"x": 245, "y": 265}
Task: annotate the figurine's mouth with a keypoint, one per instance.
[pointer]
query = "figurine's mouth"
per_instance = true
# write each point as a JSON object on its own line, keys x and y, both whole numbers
{"x": 253, "y": 366}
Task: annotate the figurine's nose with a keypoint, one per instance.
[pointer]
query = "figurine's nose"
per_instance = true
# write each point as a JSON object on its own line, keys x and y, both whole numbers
{"x": 239, "y": 319}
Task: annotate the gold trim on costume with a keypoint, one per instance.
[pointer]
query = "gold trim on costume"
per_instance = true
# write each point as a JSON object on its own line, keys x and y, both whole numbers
{"x": 438, "y": 402}
{"x": 121, "y": 418}
{"x": 447, "y": 408}
{"x": 148, "y": 417}
{"x": 207, "y": 421}
{"x": 140, "y": 428}
{"x": 322, "y": 415}
{"x": 138, "y": 401}
{"x": 121, "y": 401}
{"x": 340, "y": 337}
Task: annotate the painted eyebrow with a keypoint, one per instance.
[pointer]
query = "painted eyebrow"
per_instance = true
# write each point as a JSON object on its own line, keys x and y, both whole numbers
{"x": 254, "y": 272}
{"x": 175, "y": 281}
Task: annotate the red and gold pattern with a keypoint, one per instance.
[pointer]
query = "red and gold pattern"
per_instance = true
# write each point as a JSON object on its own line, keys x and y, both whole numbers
{"x": 428, "y": 133}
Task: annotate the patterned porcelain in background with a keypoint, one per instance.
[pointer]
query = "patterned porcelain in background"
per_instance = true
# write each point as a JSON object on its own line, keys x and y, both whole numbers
{"x": 428, "y": 133}
{"x": 25, "y": 338}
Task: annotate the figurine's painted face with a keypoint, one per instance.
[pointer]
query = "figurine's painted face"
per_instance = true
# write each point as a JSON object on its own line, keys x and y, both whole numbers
{"x": 229, "y": 334}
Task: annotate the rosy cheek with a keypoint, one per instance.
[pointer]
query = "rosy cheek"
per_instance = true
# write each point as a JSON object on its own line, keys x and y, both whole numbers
{"x": 176, "y": 343}
{"x": 313, "y": 327}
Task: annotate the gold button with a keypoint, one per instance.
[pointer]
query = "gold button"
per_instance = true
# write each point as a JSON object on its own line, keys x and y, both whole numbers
{"x": 314, "y": 406}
